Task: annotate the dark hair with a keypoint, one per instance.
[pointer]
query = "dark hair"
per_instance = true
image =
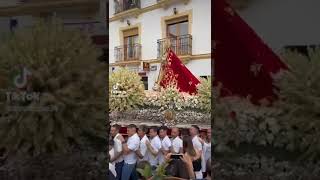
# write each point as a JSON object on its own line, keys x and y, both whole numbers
{"x": 176, "y": 168}
{"x": 163, "y": 128}
{"x": 196, "y": 127}
{"x": 143, "y": 128}
{"x": 154, "y": 128}
{"x": 132, "y": 126}
{"x": 184, "y": 132}
{"x": 117, "y": 126}
{"x": 188, "y": 146}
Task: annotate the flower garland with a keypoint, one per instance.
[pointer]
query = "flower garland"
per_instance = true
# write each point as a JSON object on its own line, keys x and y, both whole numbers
{"x": 182, "y": 101}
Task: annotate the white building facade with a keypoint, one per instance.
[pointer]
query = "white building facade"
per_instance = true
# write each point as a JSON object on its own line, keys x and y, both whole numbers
{"x": 138, "y": 29}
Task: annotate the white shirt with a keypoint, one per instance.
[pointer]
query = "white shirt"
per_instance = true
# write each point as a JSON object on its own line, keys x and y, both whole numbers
{"x": 111, "y": 154}
{"x": 112, "y": 168}
{"x": 206, "y": 154}
{"x": 207, "y": 151}
{"x": 198, "y": 145}
{"x": 156, "y": 144}
{"x": 177, "y": 144}
{"x": 143, "y": 148}
{"x": 133, "y": 144}
{"x": 165, "y": 144}
{"x": 118, "y": 148}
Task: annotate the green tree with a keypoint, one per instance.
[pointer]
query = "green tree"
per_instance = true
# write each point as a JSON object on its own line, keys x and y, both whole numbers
{"x": 299, "y": 93}
{"x": 204, "y": 94}
{"x": 65, "y": 71}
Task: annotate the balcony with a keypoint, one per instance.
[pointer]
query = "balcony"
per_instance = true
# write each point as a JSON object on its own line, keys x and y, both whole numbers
{"x": 166, "y": 3}
{"x": 125, "y": 5}
{"x": 127, "y": 53}
{"x": 180, "y": 45}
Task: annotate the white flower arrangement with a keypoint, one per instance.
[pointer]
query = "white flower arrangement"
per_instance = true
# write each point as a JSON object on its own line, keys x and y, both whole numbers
{"x": 171, "y": 95}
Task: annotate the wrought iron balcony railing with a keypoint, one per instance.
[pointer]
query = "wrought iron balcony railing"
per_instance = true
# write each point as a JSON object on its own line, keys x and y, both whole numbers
{"x": 180, "y": 45}
{"x": 124, "y": 5}
{"x": 128, "y": 52}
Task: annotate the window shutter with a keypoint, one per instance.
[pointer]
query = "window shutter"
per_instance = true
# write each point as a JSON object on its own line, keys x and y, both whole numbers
{"x": 130, "y": 32}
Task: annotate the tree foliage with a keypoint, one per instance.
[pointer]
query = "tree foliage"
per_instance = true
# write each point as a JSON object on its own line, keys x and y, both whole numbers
{"x": 204, "y": 94}
{"x": 65, "y": 72}
{"x": 299, "y": 93}
{"x": 291, "y": 124}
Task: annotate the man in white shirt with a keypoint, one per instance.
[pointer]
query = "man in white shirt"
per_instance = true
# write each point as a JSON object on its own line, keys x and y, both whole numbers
{"x": 177, "y": 145}
{"x": 112, "y": 170}
{"x": 194, "y": 133}
{"x": 118, "y": 157}
{"x": 165, "y": 144}
{"x": 142, "y": 151}
{"x": 129, "y": 155}
{"x": 153, "y": 146}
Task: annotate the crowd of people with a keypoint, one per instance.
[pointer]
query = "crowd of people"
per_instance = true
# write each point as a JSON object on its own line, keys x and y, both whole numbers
{"x": 188, "y": 153}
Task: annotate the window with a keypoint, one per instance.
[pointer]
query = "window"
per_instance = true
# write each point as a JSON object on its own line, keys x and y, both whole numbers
{"x": 177, "y": 27}
{"x": 144, "y": 79}
{"x": 130, "y": 42}
{"x": 178, "y": 32}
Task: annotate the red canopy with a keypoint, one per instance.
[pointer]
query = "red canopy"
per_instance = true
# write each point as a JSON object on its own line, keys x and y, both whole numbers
{"x": 174, "y": 68}
{"x": 243, "y": 62}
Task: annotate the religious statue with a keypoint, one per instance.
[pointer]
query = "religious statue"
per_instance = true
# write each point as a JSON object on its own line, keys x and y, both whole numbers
{"x": 163, "y": 62}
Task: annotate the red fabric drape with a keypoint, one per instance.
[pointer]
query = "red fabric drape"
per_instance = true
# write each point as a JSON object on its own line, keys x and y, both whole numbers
{"x": 175, "y": 69}
{"x": 243, "y": 62}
